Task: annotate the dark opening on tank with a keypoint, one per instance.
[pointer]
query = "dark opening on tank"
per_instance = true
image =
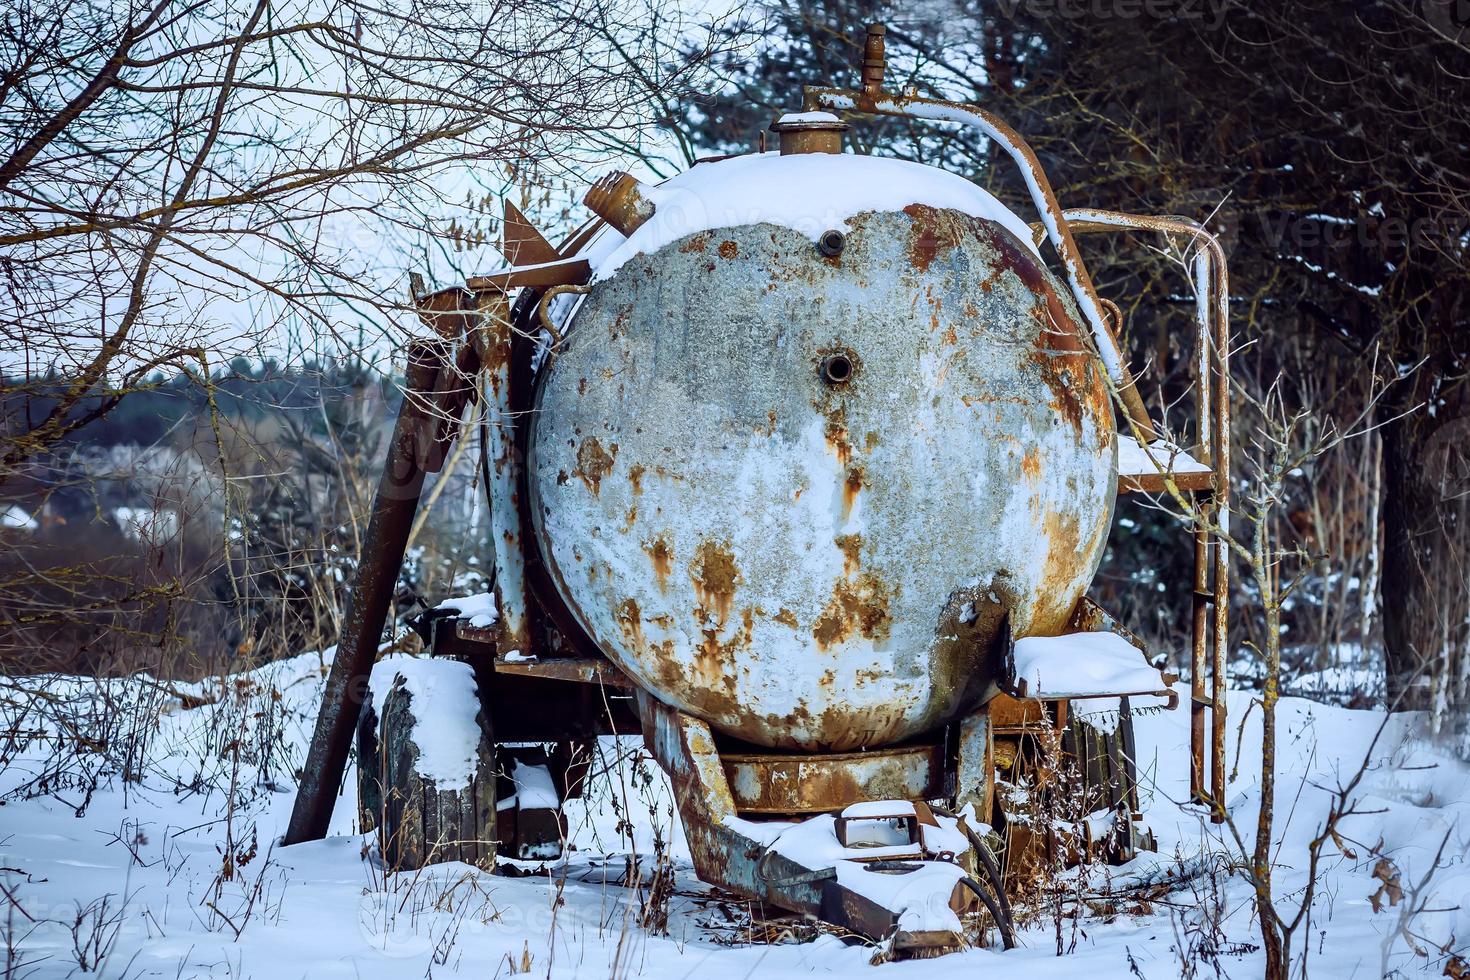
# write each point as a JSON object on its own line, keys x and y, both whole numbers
{"x": 831, "y": 243}
{"x": 837, "y": 369}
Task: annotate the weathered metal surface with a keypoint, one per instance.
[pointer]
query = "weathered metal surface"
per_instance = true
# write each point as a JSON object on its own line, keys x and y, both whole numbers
{"x": 576, "y": 670}
{"x": 797, "y": 784}
{"x": 1010, "y": 716}
{"x": 724, "y": 850}
{"x": 521, "y": 242}
{"x": 873, "y": 99}
{"x": 684, "y": 747}
{"x": 394, "y": 506}
{"x": 874, "y": 59}
{"x": 809, "y": 562}
{"x": 1155, "y": 483}
{"x": 974, "y": 766}
{"x": 563, "y": 270}
{"x": 505, "y": 478}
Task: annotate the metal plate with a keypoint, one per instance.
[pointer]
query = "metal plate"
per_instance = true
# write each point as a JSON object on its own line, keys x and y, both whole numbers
{"x": 795, "y": 784}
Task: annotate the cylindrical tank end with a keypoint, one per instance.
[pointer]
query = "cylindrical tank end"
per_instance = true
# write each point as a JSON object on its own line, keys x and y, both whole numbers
{"x": 618, "y": 199}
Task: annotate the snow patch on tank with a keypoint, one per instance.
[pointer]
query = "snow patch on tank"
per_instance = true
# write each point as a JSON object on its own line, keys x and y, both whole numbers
{"x": 807, "y": 192}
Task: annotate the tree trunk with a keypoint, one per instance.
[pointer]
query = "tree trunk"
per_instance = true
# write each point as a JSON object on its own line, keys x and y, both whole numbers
{"x": 1424, "y": 584}
{"x": 420, "y": 824}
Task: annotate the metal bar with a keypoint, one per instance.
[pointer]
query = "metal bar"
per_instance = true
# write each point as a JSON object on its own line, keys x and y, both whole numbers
{"x": 392, "y": 517}
{"x": 1222, "y": 520}
{"x": 1199, "y": 642}
{"x": 578, "y": 671}
{"x": 505, "y": 466}
{"x": 975, "y": 764}
{"x": 1042, "y": 195}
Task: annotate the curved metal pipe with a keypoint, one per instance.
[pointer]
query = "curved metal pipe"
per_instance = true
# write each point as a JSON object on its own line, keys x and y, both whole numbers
{"x": 1004, "y": 924}
{"x": 543, "y": 308}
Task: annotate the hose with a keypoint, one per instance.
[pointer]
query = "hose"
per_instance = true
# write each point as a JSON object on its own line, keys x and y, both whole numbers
{"x": 1002, "y": 921}
{"x": 1004, "y": 917}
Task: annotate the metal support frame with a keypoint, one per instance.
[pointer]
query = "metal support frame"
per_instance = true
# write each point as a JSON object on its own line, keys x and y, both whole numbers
{"x": 505, "y": 476}
{"x": 735, "y": 853}
{"x": 411, "y": 448}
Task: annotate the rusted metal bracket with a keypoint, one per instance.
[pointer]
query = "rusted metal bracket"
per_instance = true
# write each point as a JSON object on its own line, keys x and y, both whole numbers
{"x": 788, "y": 784}
{"x": 558, "y": 272}
{"x": 737, "y": 853}
{"x": 1088, "y": 617}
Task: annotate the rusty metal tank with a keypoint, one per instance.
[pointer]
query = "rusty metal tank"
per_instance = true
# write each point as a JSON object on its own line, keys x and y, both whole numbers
{"x": 792, "y": 484}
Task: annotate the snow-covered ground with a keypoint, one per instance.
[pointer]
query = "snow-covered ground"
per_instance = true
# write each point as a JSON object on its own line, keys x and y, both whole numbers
{"x": 153, "y": 873}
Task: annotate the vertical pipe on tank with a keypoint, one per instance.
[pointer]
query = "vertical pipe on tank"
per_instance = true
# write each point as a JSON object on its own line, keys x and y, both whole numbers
{"x": 619, "y": 199}
{"x": 1200, "y": 615}
{"x": 1221, "y": 297}
{"x": 874, "y": 59}
{"x": 1200, "y": 634}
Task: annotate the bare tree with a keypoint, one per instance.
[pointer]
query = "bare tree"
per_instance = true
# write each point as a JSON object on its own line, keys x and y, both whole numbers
{"x": 184, "y": 181}
{"x": 190, "y": 177}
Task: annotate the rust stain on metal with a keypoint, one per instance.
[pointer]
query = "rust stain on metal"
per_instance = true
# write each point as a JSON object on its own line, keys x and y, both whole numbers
{"x": 662, "y": 557}
{"x": 713, "y": 655}
{"x": 728, "y": 249}
{"x": 933, "y": 231}
{"x": 803, "y": 783}
{"x": 1066, "y": 364}
{"x": 695, "y": 243}
{"x": 793, "y": 784}
{"x": 836, "y": 436}
{"x": 716, "y": 577}
{"x": 594, "y": 462}
{"x": 858, "y": 607}
{"x": 618, "y": 198}
{"x": 836, "y": 460}
{"x": 852, "y": 485}
{"x": 631, "y": 620}
{"x": 851, "y": 546}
